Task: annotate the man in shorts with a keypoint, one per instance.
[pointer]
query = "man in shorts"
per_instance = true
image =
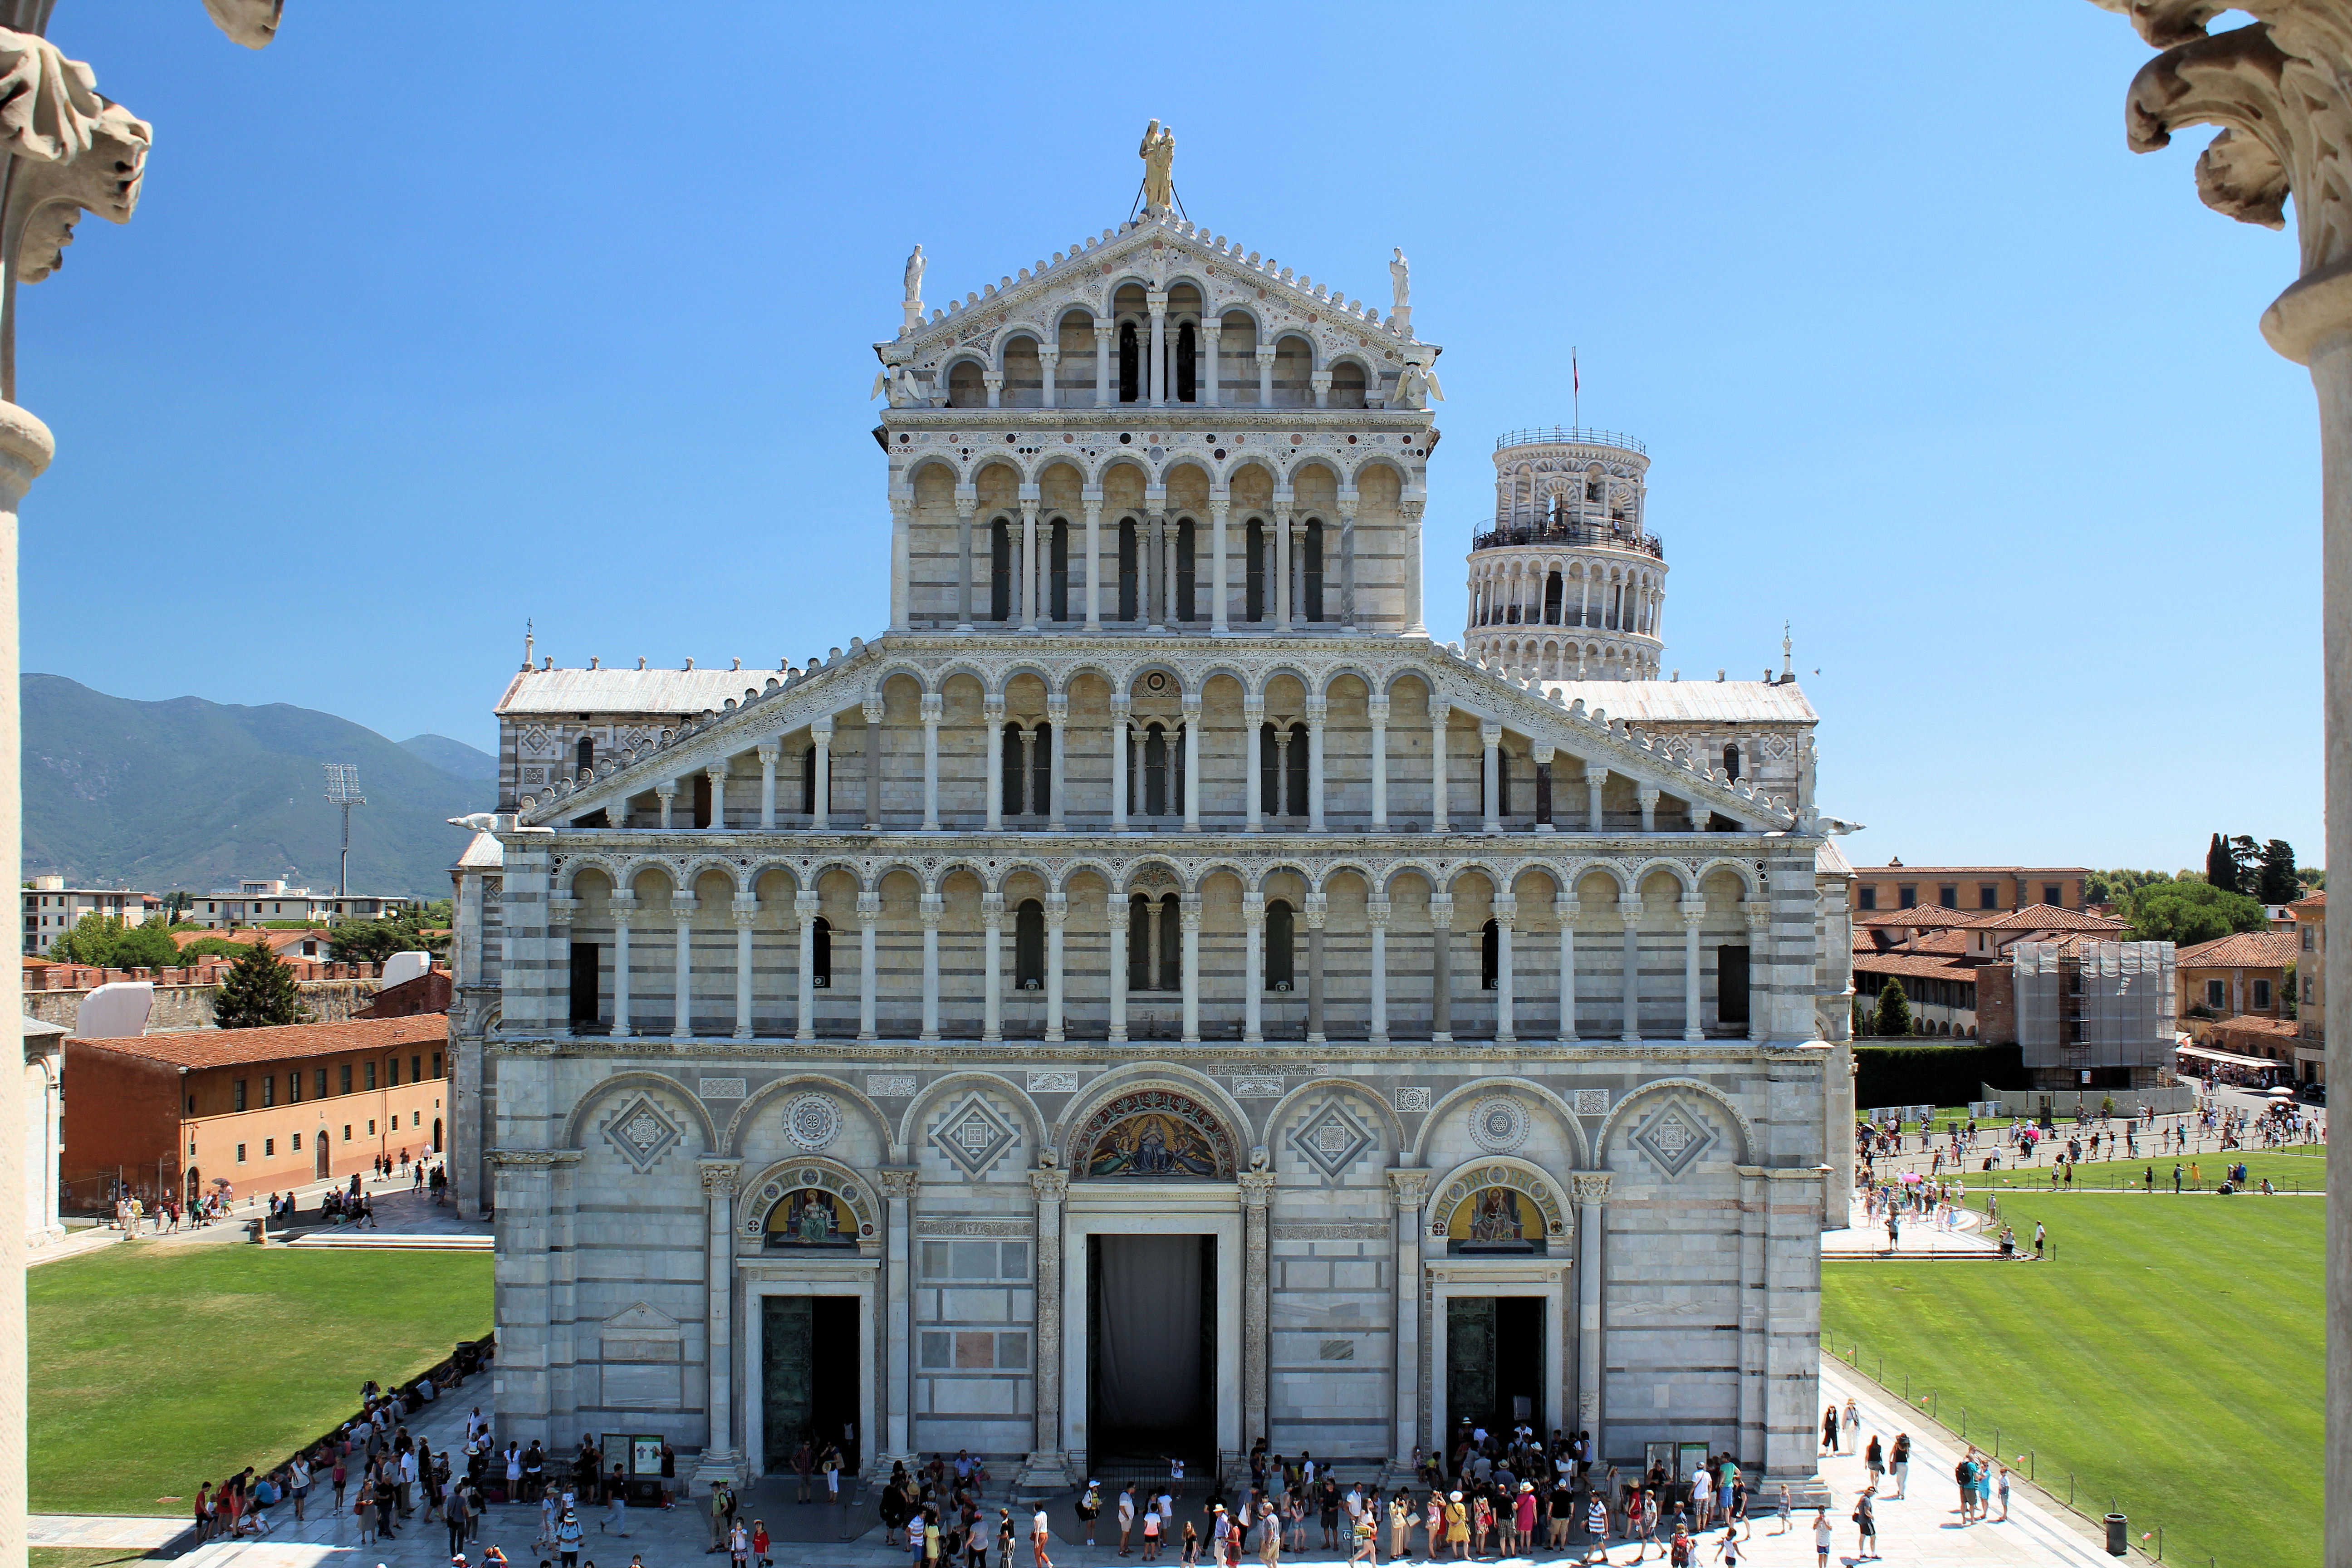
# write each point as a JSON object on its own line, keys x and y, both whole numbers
{"x": 1822, "y": 1537}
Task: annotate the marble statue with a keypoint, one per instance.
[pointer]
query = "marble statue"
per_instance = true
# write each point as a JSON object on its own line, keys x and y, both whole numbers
{"x": 252, "y": 23}
{"x": 915, "y": 264}
{"x": 1158, "y": 156}
{"x": 1400, "y": 277}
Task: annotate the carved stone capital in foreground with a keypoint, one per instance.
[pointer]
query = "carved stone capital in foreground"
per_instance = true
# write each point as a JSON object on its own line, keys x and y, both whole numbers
{"x": 1591, "y": 1186}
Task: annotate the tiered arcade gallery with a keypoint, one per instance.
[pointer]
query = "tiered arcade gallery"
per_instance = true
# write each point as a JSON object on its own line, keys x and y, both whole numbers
{"x": 1087, "y": 1043}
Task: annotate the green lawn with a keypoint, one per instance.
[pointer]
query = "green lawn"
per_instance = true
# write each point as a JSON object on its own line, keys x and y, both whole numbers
{"x": 156, "y": 1368}
{"x": 2299, "y": 1165}
{"x": 2171, "y": 1357}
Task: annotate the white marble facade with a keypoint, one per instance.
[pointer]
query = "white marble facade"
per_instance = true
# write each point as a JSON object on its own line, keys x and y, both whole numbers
{"x": 1155, "y": 874}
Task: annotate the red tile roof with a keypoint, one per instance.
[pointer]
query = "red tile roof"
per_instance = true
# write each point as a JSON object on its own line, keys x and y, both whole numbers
{"x": 2317, "y": 903}
{"x": 2242, "y": 950}
{"x": 1925, "y": 915}
{"x": 1912, "y": 967}
{"x": 2276, "y": 1028}
{"x": 229, "y": 1048}
{"x": 2050, "y": 916}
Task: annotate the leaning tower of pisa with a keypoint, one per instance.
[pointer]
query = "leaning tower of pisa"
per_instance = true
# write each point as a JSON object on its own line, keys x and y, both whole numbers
{"x": 1566, "y": 584}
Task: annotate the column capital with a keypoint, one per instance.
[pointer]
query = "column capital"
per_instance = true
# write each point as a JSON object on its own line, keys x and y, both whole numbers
{"x": 873, "y": 708}
{"x": 1647, "y": 794}
{"x": 806, "y": 905}
{"x": 1629, "y": 908}
{"x": 967, "y": 502}
{"x": 1317, "y": 911}
{"x": 934, "y": 707}
{"x": 1057, "y": 911}
{"x": 1189, "y": 911}
{"x": 1758, "y": 914}
{"x": 822, "y": 729}
{"x": 869, "y": 906}
{"x": 1490, "y": 733}
{"x": 1441, "y": 906}
{"x": 1542, "y": 754}
{"x": 992, "y": 906}
{"x": 1190, "y": 702}
{"x": 1220, "y": 504}
{"x": 1506, "y": 909}
{"x": 1318, "y": 709}
{"x": 1693, "y": 911}
{"x": 560, "y": 911}
{"x": 932, "y": 910}
{"x": 1254, "y": 706}
{"x": 665, "y": 788}
{"x": 721, "y": 1178}
{"x": 1407, "y": 1188}
{"x": 769, "y": 751}
{"x": 1253, "y": 909}
{"x": 1050, "y": 1185}
{"x": 1057, "y": 707}
{"x": 715, "y": 771}
{"x": 1378, "y": 706}
{"x": 1590, "y": 1187}
{"x": 992, "y": 707}
{"x": 1441, "y": 713}
{"x": 899, "y": 1183}
{"x": 1566, "y": 909}
{"x": 683, "y": 905}
{"x": 1376, "y": 912}
{"x": 1263, "y": 354}
{"x": 1257, "y": 1187}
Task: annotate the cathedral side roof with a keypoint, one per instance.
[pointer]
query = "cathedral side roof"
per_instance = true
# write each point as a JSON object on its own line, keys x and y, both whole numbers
{"x": 1708, "y": 701}
{"x": 624, "y": 690}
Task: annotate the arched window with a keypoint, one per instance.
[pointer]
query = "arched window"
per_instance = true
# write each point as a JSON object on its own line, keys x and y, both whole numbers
{"x": 1154, "y": 965}
{"x": 808, "y": 780}
{"x": 1489, "y": 955}
{"x": 1059, "y": 572}
{"x": 821, "y": 954}
{"x": 1013, "y": 769}
{"x": 1187, "y": 596}
{"x": 1029, "y": 946}
{"x": 1554, "y": 591}
{"x": 1000, "y": 570}
{"x": 1188, "y": 348}
{"x": 1041, "y": 771}
{"x": 1313, "y": 571}
{"x": 1172, "y": 943}
{"x": 1156, "y": 755}
{"x": 437, "y": 1136}
{"x": 965, "y": 388}
{"x": 1731, "y": 763}
{"x": 1281, "y": 936}
{"x": 1130, "y": 558}
{"x": 1295, "y": 781}
{"x": 1253, "y": 593}
{"x": 1347, "y": 385}
{"x": 1131, "y": 364}
{"x": 585, "y": 754}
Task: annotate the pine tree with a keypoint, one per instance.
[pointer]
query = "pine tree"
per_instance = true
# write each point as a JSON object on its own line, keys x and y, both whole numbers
{"x": 258, "y": 991}
{"x": 1893, "y": 1009}
{"x": 1861, "y": 1018}
{"x": 2278, "y": 885}
{"x": 2220, "y": 866}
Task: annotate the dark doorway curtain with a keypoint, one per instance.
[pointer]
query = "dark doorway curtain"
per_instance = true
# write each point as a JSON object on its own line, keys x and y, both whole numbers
{"x": 1059, "y": 569}
{"x": 1129, "y": 592}
{"x": 1153, "y": 1345}
{"x": 1000, "y": 571}
{"x": 1295, "y": 791}
{"x": 1731, "y": 984}
{"x": 808, "y": 1353}
{"x": 1172, "y": 944}
{"x": 1187, "y": 573}
{"x": 1313, "y": 572}
{"x": 1029, "y": 946}
{"x": 1131, "y": 364}
{"x": 1188, "y": 349}
{"x": 584, "y": 982}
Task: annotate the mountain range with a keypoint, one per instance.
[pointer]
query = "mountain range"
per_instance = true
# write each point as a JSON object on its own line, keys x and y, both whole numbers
{"x": 192, "y": 794}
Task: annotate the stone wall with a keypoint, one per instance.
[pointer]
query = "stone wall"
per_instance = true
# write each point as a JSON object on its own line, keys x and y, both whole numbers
{"x": 191, "y": 1006}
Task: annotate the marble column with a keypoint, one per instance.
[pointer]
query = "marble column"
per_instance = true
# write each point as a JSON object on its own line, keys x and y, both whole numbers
{"x": 933, "y": 909}
{"x": 1028, "y": 584}
{"x": 1490, "y": 740}
{"x": 1692, "y": 911}
{"x": 1592, "y": 1191}
{"x": 1376, "y": 923}
{"x": 1058, "y": 915}
{"x": 1379, "y": 716}
{"x": 1257, "y": 1192}
{"x": 1155, "y": 377}
{"x": 1407, "y": 1188}
{"x": 872, "y": 764}
{"x": 681, "y": 909}
{"x": 1048, "y": 1467}
{"x": 1648, "y": 796}
{"x": 1253, "y": 969}
{"x": 1596, "y": 779}
{"x": 1760, "y": 993}
{"x": 1417, "y": 625}
{"x": 805, "y": 907}
{"x": 821, "y": 820}
{"x": 1264, "y": 357}
{"x": 1151, "y": 578}
{"x": 1058, "y": 715}
{"x": 1506, "y": 914}
{"x": 721, "y": 1460}
{"x": 747, "y": 915}
{"x": 1439, "y": 713}
{"x": 623, "y": 911}
{"x": 869, "y": 910}
{"x": 667, "y": 792}
{"x": 718, "y": 777}
{"x": 1318, "y": 915}
{"x": 991, "y": 718}
{"x": 1278, "y": 573}
{"x": 1118, "y": 912}
{"x": 965, "y": 505}
{"x": 768, "y": 751}
{"x": 1189, "y": 915}
{"x": 1218, "y": 506}
{"x": 1212, "y": 333}
{"x": 1566, "y": 910}
{"x": 1093, "y": 498}
{"x": 991, "y": 966}
{"x": 1318, "y": 711}
{"x": 1629, "y": 910}
{"x": 1049, "y": 360}
{"x": 934, "y": 710}
{"x": 1254, "y": 780}
{"x": 900, "y": 1186}
{"x": 1193, "y": 763}
{"x": 1118, "y": 776}
{"x": 1347, "y": 561}
{"x": 1440, "y": 968}
{"x": 1106, "y": 389}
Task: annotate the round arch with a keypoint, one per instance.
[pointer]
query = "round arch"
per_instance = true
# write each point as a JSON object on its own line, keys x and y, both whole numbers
{"x": 1623, "y": 1109}
{"x": 749, "y": 1111}
{"x": 1580, "y": 1150}
{"x": 577, "y": 1123}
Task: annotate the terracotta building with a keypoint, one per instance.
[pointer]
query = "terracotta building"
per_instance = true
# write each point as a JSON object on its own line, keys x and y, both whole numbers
{"x": 1895, "y": 886}
{"x": 262, "y": 1108}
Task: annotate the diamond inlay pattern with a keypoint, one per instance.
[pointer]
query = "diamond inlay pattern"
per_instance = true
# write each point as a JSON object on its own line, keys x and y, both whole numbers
{"x": 1331, "y": 1139}
{"x": 1673, "y": 1138}
{"x": 642, "y": 1132}
{"x": 974, "y": 1135}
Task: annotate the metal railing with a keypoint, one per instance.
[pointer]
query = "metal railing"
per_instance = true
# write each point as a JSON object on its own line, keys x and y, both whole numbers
{"x": 1566, "y": 435}
{"x": 1571, "y": 533}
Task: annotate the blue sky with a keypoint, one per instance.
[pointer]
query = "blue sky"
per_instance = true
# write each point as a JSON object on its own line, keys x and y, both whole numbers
{"x": 432, "y": 320}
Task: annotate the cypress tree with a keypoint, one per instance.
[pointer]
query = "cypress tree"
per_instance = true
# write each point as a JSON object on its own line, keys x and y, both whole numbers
{"x": 258, "y": 991}
{"x": 2221, "y": 866}
{"x": 1861, "y": 1018}
{"x": 1893, "y": 1009}
{"x": 2278, "y": 883}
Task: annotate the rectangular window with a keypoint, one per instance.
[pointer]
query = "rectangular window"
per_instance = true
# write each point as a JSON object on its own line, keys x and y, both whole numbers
{"x": 2262, "y": 995}
{"x": 1731, "y": 984}
{"x": 2052, "y": 893}
{"x": 391, "y": 1072}
{"x": 240, "y": 1153}
{"x": 416, "y": 1119}
{"x": 2306, "y": 939}
{"x": 417, "y": 1069}
{"x": 298, "y": 1143}
{"x": 1906, "y": 896}
{"x": 294, "y": 1086}
{"x": 2216, "y": 994}
{"x": 2306, "y": 990}
{"x": 347, "y": 1131}
{"x": 371, "y": 1126}
{"x": 1988, "y": 895}
{"x": 236, "y": 1095}
{"x": 269, "y": 1089}
{"x": 583, "y": 984}
{"x": 347, "y": 1077}
{"x": 269, "y": 1147}
{"x": 1867, "y": 895}
{"x": 370, "y": 1074}
{"x": 1948, "y": 896}
{"x": 191, "y": 1105}
{"x": 437, "y": 1064}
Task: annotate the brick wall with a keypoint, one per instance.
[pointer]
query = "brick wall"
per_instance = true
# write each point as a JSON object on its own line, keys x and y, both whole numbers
{"x": 1997, "y": 1004}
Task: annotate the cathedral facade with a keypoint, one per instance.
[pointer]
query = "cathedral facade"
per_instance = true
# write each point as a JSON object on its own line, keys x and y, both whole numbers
{"x": 1154, "y": 999}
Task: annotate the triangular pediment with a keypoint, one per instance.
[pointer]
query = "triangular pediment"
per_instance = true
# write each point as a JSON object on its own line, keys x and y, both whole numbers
{"x": 1159, "y": 248}
{"x": 640, "y": 1317}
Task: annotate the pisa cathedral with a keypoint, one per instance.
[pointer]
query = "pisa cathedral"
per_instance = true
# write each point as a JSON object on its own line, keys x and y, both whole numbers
{"x": 1154, "y": 999}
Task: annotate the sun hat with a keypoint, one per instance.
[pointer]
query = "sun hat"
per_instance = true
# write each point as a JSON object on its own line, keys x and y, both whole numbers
{"x": 1450, "y": 1496}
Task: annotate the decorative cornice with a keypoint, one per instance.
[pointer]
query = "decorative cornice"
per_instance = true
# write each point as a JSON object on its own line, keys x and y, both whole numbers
{"x": 1335, "y": 1230}
{"x": 526, "y": 1158}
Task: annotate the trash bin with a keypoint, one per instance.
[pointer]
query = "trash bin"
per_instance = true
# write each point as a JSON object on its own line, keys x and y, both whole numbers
{"x": 2119, "y": 1527}
{"x": 257, "y": 1230}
